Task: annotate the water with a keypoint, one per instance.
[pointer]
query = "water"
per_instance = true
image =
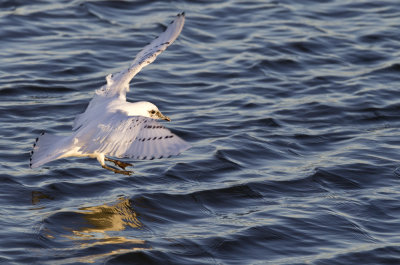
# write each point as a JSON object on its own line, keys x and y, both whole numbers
{"x": 291, "y": 107}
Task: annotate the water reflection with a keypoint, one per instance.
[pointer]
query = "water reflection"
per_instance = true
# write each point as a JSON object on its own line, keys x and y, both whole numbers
{"x": 105, "y": 219}
{"x": 99, "y": 227}
{"x": 37, "y": 196}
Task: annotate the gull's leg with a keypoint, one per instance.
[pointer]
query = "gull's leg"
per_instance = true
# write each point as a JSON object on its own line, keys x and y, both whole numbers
{"x": 121, "y": 164}
{"x": 101, "y": 158}
{"x": 124, "y": 172}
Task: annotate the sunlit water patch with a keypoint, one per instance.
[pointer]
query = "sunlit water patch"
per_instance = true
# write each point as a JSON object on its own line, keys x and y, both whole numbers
{"x": 291, "y": 108}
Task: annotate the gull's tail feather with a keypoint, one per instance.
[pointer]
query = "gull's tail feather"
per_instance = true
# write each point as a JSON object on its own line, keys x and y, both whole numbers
{"x": 48, "y": 147}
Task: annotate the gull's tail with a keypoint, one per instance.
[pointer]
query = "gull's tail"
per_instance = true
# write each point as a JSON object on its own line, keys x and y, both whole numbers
{"x": 48, "y": 147}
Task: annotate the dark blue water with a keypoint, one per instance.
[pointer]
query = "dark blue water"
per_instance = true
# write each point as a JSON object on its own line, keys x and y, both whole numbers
{"x": 292, "y": 109}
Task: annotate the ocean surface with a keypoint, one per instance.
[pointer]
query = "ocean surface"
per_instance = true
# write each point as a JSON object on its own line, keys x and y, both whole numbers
{"x": 292, "y": 109}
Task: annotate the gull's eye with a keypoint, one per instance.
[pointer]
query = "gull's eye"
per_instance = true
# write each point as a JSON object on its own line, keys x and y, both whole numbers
{"x": 152, "y": 112}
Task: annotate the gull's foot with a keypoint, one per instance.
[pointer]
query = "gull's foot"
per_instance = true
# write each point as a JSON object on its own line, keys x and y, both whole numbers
{"x": 122, "y": 165}
{"x": 118, "y": 163}
{"x": 123, "y": 172}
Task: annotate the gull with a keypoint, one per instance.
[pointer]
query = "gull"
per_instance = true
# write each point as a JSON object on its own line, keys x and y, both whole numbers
{"x": 113, "y": 127}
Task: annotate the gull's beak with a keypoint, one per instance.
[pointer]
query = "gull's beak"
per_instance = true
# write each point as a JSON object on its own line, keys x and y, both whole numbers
{"x": 163, "y": 117}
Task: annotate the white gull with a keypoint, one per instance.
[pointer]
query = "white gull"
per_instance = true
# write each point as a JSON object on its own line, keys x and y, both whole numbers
{"x": 113, "y": 127}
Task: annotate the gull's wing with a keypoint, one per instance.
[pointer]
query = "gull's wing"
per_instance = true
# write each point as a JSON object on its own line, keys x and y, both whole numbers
{"x": 135, "y": 137}
{"x": 49, "y": 147}
{"x": 119, "y": 83}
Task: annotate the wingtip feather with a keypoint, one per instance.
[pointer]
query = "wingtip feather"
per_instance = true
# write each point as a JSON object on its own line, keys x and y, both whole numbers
{"x": 33, "y": 149}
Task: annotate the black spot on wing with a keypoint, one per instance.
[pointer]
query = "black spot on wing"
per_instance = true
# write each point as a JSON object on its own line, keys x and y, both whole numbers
{"x": 32, "y": 151}
{"x": 154, "y": 127}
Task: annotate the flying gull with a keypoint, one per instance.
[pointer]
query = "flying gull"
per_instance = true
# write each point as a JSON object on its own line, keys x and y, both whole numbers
{"x": 113, "y": 127}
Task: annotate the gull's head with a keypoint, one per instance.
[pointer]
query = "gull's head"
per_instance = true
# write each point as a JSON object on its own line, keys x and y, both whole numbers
{"x": 150, "y": 110}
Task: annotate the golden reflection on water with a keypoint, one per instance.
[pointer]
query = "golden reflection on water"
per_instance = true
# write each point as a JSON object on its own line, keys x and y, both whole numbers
{"x": 100, "y": 222}
{"x": 105, "y": 218}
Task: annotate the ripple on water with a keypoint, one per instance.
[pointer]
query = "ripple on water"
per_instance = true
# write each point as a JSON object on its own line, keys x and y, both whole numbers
{"x": 290, "y": 107}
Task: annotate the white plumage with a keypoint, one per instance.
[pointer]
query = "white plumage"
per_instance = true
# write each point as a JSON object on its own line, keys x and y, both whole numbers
{"x": 111, "y": 126}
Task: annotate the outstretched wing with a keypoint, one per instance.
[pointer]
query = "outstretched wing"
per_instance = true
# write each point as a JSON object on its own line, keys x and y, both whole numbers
{"x": 135, "y": 137}
{"x": 49, "y": 147}
{"x": 119, "y": 83}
